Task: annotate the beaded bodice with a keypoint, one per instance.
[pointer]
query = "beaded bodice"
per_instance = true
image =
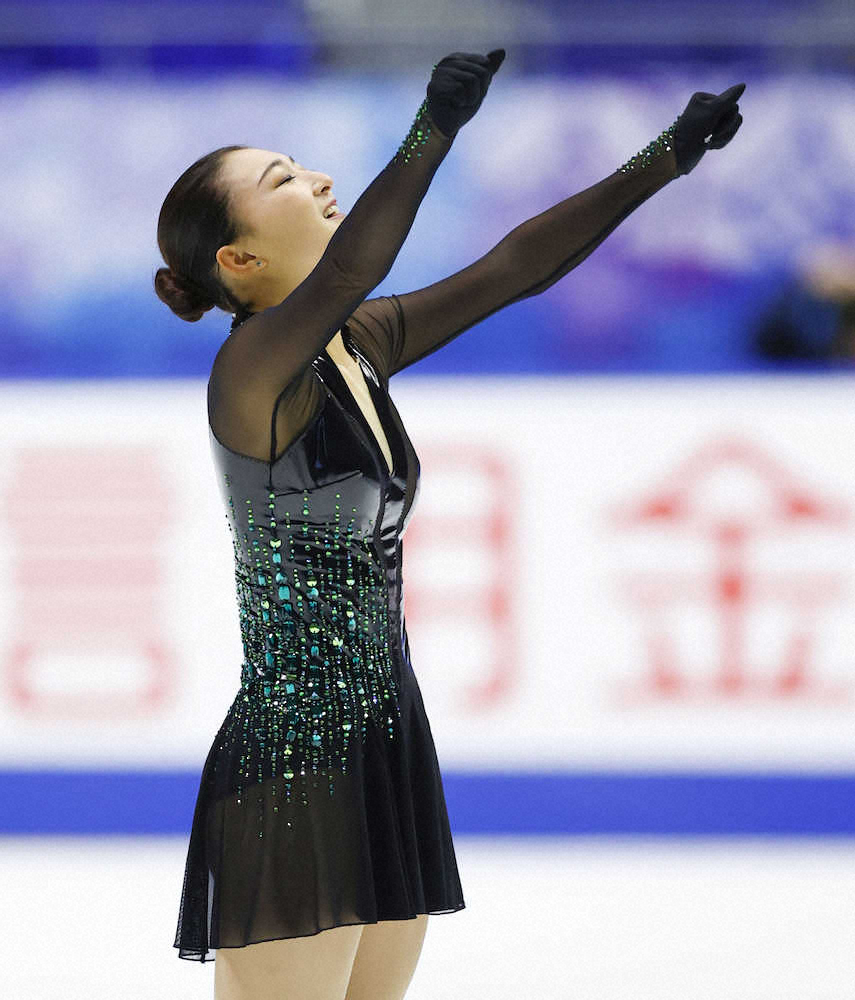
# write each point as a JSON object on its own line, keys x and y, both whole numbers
{"x": 316, "y": 537}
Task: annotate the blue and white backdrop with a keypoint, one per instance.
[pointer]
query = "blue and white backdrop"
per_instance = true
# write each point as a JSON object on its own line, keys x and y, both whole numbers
{"x": 630, "y": 577}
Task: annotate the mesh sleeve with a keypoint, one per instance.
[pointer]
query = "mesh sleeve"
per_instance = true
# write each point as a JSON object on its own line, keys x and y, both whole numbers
{"x": 265, "y": 364}
{"x": 525, "y": 262}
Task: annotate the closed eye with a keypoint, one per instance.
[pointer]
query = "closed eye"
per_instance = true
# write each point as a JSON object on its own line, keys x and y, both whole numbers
{"x": 288, "y": 178}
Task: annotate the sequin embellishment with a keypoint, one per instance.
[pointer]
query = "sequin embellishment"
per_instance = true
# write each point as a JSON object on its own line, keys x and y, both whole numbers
{"x": 652, "y": 151}
{"x": 314, "y": 623}
{"x": 418, "y": 135}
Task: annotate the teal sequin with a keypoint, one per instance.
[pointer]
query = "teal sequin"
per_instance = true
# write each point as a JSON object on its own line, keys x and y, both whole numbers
{"x": 661, "y": 144}
{"x": 418, "y": 135}
{"x": 306, "y": 689}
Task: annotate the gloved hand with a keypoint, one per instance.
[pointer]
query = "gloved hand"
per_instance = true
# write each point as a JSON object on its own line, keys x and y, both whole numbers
{"x": 457, "y": 88}
{"x": 713, "y": 115}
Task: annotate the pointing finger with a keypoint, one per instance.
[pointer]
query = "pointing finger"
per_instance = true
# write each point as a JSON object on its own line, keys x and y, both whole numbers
{"x": 496, "y": 57}
{"x": 732, "y": 93}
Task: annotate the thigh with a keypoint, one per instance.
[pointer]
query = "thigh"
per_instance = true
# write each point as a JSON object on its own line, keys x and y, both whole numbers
{"x": 386, "y": 959}
{"x": 315, "y": 967}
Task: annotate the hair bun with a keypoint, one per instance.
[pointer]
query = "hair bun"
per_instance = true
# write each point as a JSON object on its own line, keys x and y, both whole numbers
{"x": 184, "y": 298}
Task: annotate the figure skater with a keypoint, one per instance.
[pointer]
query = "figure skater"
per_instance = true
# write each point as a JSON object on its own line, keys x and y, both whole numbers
{"x": 320, "y": 840}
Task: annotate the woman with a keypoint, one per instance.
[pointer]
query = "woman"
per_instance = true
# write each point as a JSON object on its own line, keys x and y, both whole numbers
{"x": 320, "y": 840}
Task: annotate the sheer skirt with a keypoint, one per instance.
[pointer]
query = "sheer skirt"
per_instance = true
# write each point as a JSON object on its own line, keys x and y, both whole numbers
{"x": 378, "y": 848}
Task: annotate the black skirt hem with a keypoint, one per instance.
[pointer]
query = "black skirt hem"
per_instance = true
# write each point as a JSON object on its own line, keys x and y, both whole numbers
{"x": 199, "y": 956}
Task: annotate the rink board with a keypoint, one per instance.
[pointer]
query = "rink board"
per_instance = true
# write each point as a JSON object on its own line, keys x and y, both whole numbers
{"x": 629, "y": 601}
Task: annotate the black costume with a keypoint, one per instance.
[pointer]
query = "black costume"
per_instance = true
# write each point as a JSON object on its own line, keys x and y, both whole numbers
{"x": 321, "y": 801}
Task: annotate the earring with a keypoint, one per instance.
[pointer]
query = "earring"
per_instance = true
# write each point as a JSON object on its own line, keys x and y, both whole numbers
{"x": 258, "y": 263}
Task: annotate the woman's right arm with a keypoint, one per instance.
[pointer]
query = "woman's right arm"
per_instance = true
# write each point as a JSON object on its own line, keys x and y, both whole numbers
{"x": 279, "y": 343}
{"x": 273, "y": 347}
{"x": 269, "y": 354}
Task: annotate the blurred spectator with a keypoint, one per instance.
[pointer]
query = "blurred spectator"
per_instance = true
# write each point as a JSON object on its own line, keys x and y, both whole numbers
{"x": 814, "y": 316}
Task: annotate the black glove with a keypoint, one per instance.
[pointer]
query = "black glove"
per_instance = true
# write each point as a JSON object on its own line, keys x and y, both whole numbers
{"x": 713, "y": 115}
{"x": 457, "y": 88}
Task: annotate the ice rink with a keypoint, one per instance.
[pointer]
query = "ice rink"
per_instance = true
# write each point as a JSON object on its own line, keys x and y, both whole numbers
{"x": 546, "y": 919}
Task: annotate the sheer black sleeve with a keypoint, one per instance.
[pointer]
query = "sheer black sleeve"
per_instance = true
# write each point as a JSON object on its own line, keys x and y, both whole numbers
{"x": 266, "y": 361}
{"x": 527, "y": 261}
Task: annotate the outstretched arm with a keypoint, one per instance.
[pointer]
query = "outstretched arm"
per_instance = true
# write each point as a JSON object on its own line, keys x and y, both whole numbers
{"x": 544, "y": 248}
{"x": 275, "y": 346}
{"x": 525, "y": 262}
{"x": 270, "y": 354}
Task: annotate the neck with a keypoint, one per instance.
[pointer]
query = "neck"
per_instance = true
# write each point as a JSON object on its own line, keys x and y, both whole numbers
{"x": 336, "y": 349}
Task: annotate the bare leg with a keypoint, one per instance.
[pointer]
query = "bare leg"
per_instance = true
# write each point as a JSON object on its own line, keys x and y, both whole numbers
{"x": 386, "y": 959}
{"x": 315, "y": 967}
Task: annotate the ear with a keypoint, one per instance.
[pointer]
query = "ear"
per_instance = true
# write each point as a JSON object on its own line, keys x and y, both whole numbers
{"x": 237, "y": 262}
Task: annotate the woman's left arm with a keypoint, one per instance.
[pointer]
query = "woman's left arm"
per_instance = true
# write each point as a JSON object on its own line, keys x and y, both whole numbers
{"x": 525, "y": 262}
{"x": 541, "y": 250}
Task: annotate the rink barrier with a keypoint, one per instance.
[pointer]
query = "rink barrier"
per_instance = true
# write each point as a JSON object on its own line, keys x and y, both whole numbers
{"x": 608, "y": 803}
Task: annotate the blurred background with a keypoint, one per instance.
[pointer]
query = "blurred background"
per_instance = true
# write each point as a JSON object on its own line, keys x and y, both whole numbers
{"x": 630, "y": 582}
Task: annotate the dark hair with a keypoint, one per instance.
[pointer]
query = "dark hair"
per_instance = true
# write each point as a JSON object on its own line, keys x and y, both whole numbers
{"x": 195, "y": 221}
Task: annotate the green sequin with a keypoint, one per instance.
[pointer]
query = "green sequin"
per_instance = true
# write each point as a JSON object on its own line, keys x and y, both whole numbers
{"x": 661, "y": 144}
{"x": 418, "y": 135}
{"x": 314, "y": 624}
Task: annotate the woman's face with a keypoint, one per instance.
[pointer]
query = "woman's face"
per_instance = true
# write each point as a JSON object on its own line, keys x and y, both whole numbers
{"x": 281, "y": 205}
